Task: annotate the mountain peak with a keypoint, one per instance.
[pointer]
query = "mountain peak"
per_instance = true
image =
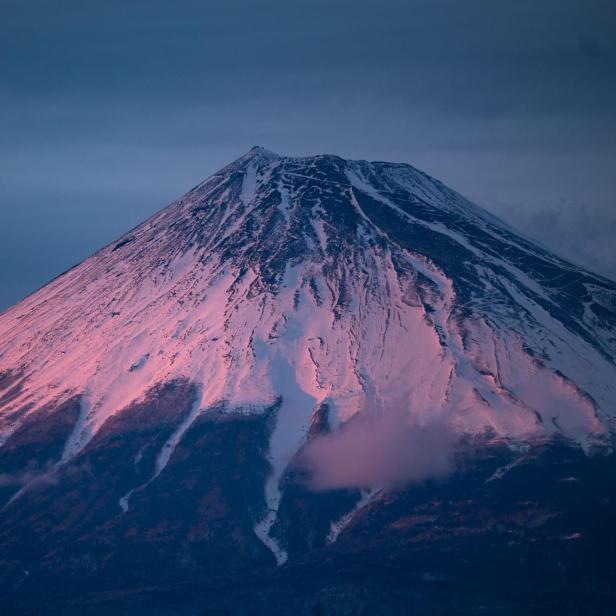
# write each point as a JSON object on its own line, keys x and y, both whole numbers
{"x": 259, "y": 149}
{"x": 260, "y": 153}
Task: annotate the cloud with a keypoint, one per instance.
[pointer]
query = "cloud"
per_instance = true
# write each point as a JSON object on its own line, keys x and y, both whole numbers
{"x": 578, "y": 232}
{"x": 30, "y": 478}
{"x": 373, "y": 451}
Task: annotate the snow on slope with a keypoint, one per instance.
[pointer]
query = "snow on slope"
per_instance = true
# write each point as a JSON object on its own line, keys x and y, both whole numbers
{"x": 366, "y": 285}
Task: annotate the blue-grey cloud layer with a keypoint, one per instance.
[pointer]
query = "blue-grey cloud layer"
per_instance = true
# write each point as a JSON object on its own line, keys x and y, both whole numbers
{"x": 109, "y": 110}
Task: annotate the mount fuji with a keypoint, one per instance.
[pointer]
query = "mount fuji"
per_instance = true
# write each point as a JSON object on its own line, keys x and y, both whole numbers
{"x": 337, "y": 377}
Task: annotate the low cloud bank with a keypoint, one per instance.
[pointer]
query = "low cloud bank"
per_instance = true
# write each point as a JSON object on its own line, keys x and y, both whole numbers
{"x": 379, "y": 451}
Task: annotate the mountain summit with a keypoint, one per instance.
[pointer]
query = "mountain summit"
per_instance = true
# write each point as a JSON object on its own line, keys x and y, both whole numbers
{"x": 284, "y": 301}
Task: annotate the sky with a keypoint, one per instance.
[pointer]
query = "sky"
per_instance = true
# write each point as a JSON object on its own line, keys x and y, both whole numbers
{"x": 110, "y": 110}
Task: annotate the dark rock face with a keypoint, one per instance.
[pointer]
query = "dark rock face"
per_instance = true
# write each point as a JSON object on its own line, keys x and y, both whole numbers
{"x": 11, "y": 385}
{"x": 527, "y": 533}
{"x": 194, "y": 519}
{"x": 31, "y": 452}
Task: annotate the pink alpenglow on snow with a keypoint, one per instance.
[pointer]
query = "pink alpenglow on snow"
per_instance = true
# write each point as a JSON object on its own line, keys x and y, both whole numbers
{"x": 413, "y": 314}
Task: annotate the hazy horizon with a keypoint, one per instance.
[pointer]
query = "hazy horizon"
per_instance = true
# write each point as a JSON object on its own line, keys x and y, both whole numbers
{"x": 109, "y": 112}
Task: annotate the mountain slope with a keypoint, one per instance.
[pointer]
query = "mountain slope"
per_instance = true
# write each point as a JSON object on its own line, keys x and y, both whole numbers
{"x": 295, "y": 296}
{"x": 330, "y": 266}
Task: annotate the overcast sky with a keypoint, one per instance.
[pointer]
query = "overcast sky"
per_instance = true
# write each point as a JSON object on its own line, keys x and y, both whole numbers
{"x": 109, "y": 110}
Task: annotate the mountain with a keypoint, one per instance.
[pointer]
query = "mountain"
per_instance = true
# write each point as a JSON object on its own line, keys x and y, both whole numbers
{"x": 301, "y": 368}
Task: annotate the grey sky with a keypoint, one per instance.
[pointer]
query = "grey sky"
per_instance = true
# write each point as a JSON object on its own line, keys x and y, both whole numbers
{"x": 109, "y": 110}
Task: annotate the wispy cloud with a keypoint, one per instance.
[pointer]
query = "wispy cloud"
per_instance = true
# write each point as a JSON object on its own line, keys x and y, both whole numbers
{"x": 387, "y": 450}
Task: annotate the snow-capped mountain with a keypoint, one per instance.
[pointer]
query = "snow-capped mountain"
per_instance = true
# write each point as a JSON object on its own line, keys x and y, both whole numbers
{"x": 295, "y": 291}
{"x": 360, "y": 284}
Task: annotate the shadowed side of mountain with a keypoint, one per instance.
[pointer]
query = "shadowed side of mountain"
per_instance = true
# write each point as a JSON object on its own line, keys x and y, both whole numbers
{"x": 111, "y": 514}
{"x": 527, "y": 531}
{"x": 30, "y": 455}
